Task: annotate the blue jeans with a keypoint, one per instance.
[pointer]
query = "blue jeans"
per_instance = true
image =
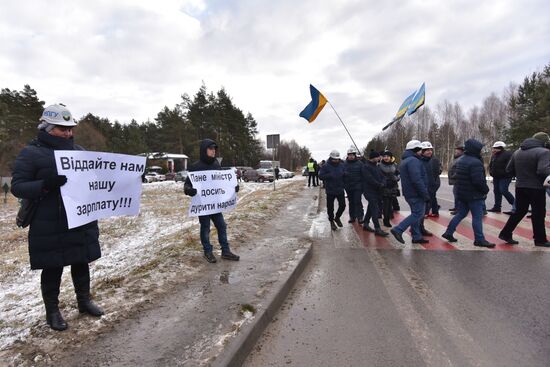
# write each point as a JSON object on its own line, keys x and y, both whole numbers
{"x": 219, "y": 223}
{"x": 476, "y": 207}
{"x": 500, "y": 188}
{"x": 355, "y": 204}
{"x": 413, "y": 220}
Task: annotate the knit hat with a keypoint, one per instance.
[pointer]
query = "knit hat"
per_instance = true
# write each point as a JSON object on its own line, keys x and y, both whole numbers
{"x": 46, "y": 126}
{"x": 373, "y": 154}
{"x": 542, "y": 136}
{"x": 388, "y": 153}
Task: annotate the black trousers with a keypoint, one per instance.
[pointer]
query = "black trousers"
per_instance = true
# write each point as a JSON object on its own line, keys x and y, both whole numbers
{"x": 311, "y": 177}
{"x": 525, "y": 197}
{"x": 373, "y": 210}
{"x": 50, "y": 281}
{"x": 330, "y": 205}
{"x": 387, "y": 208}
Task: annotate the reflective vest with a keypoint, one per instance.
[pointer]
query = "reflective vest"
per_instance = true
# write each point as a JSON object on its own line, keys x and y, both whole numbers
{"x": 311, "y": 166}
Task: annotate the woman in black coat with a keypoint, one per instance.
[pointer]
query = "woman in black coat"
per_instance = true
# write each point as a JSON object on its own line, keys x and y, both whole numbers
{"x": 51, "y": 244}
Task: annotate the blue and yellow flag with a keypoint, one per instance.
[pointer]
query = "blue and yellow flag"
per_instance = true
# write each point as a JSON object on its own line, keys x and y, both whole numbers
{"x": 418, "y": 100}
{"x": 404, "y": 107}
{"x": 314, "y": 107}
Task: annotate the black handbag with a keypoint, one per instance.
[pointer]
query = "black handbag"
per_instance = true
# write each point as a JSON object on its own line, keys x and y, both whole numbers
{"x": 26, "y": 212}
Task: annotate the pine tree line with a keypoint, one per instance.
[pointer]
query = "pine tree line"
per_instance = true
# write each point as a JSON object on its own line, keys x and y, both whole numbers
{"x": 517, "y": 114}
{"x": 175, "y": 130}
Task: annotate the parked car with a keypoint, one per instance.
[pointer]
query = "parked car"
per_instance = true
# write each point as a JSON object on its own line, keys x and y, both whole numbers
{"x": 153, "y": 177}
{"x": 170, "y": 176}
{"x": 284, "y": 173}
{"x": 305, "y": 171}
{"x": 266, "y": 174}
{"x": 181, "y": 176}
{"x": 257, "y": 175}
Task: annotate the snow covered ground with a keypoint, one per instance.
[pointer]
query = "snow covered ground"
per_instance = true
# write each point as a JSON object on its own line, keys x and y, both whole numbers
{"x": 143, "y": 257}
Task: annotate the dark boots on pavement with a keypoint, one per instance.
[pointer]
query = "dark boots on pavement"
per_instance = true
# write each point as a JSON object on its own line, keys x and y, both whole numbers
{"x": 333, "y": 225}
{"x": 338, "y": 222}
{"x": 228, "y": 255}
{"x": 50, "y": 294}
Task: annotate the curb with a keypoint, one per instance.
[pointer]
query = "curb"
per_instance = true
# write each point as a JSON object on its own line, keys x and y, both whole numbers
{"x": 237, "y": 350}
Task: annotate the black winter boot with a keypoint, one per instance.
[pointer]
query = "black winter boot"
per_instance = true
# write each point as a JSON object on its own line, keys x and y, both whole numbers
{"x": 81, "y": 280}
{"x": 49, "y": 285}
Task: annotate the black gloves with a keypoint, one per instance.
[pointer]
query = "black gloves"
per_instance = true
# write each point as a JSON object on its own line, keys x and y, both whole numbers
{"x": 237, "y": 188}
{"x": 190, "y": 191}
{"x": 54, "y": 182}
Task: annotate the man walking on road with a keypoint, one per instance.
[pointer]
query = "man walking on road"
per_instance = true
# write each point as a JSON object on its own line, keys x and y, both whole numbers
{"x": 353, "y": 185}
{"x": 530, "y": 165}
{"x": 311, "y": 173}
{"x": 459, "y": 152}
{"x": 414, "y": 186}
{"x": 332, "y": 173}
{"x": 373, "y": 183}
{"x": 501, "y": 178}
{"x": 471, "y": 190}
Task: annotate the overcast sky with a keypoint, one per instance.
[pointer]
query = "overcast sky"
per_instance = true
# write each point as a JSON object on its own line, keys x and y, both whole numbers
{"x": 128, "y": 59}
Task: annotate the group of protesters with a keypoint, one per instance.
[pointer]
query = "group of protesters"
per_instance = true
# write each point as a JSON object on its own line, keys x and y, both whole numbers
{"x": 376, "y": 177}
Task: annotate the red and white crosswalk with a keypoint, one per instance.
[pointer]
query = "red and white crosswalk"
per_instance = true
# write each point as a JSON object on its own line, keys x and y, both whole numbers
{"x": 492, "y": 224}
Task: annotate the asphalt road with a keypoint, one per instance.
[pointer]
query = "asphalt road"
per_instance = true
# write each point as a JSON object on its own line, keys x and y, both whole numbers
{"x": 360, "y": 304}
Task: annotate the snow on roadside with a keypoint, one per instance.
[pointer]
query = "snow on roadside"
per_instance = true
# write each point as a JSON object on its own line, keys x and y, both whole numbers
{"x": 139, "y": 255}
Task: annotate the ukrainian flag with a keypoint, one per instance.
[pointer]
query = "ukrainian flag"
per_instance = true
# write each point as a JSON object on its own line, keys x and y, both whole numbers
{"x": 418, "y": 100}
{"x": 314, "y": 107}
{"x": 404, "y": 107}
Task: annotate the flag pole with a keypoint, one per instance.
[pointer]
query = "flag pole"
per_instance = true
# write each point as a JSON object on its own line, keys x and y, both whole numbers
{"x": 356, "y": 147}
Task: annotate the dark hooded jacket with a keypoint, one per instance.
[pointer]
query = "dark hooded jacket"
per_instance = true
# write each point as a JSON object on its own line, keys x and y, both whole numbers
{"x": 332, "y": 174}
{"x": 471, "y": 183}
{"x": 530, "y": 164}
{"x": 51, "y": 243}
{"x": 414, "y": 181}
{"x": 352, "y": 177}
{"x": 499, "y": 161}
{"x": 205, "y": 163}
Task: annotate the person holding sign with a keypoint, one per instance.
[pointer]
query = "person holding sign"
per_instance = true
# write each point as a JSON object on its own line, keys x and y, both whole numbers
{"x": 51, "y": 244}
{"x": 208, "y": 162}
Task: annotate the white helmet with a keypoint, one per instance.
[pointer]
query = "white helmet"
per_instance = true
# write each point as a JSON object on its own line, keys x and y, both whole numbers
{"x": 413, "y": 144}
{"x": 335, "y": 154}
{"x": 352, "y": 150}
{"x": 546, "y": 181}
{"x": 427, "y": 145}
{"x": 499, "y": 144}
{"x": 58, "y": 114}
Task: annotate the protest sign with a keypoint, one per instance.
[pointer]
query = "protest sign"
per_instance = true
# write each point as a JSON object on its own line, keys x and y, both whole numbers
{"x": 99, "y": 185}
{"x": 215, "y": 192}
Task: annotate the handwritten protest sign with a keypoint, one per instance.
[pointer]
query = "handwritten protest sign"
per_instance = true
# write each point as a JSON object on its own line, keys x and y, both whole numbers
{"x": 215, "y": 192}
{"x": 99, "y": 185}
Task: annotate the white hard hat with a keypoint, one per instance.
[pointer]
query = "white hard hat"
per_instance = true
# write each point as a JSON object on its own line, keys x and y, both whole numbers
{"x": 427, "y": 145}
{"x": 413, "y": 144}
{"x": 335, "y": 154}
{"x": 58, "y": 114}
{"x": 546, "y": 181}
{"x": 352, "y": 150}
{"x": 499, "y": 144}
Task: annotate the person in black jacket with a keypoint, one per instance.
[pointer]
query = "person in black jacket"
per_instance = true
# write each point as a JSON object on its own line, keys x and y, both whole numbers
{"x": 353, "y": 185}
{"x": 501, "y": 178}
{"x": 433, "y": 170}
{"x": 459, "y": 152}
{"x": 391, "y": 189}
{"x": 530, "y": 165}
{"x": 373, "y": 183}
{"x": 208, "y": 162}
{"x": 332, "y": 174}
{"x": 471, "y": 191}
{"x": 52, "y": 245}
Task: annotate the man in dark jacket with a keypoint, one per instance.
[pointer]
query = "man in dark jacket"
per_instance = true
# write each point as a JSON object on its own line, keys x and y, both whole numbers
{"x": 332, "y": 173}
{"x": 353, "y": 185}
{"x": 208, "y": 162}
{"x": 459, "y": 152}
{"x": 433, "y": 170}
{"x": 501, "y": 179}
{"x": 373, "y": 183}
{"x": 391, "y": 188}
{"x": 471, "y": 191}
{"x": 530, "y": 165}
{"x": 52, "y": 245}
{"x": 414, "y": 186}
